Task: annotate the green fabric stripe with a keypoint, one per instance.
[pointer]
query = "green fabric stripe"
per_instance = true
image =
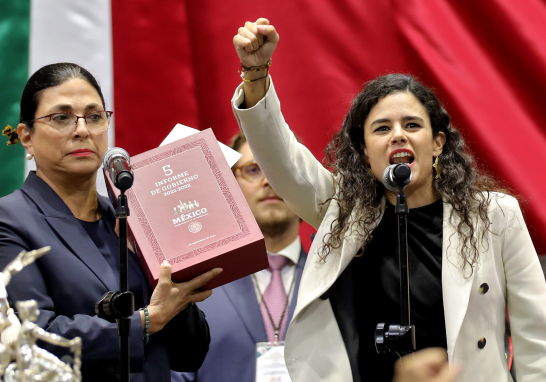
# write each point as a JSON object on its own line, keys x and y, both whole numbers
{"x": 14, "y": 47}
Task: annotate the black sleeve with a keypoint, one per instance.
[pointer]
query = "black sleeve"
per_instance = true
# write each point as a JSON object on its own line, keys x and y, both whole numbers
{"x": 188, "y": 339}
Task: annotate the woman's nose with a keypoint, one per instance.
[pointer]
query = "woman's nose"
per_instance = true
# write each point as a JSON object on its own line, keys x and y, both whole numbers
{"x": 398, "y": 135}
{"x": 81, "y": 130}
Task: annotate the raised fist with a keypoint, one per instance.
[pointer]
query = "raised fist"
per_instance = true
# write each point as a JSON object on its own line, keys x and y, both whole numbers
{"x": 256, "y": 42}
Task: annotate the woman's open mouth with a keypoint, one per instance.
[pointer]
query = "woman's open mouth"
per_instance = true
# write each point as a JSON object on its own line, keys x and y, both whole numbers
{"x": 402, "y": 156}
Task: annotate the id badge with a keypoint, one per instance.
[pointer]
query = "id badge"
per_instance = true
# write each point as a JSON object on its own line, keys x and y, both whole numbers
{"x": 270, "y": 364}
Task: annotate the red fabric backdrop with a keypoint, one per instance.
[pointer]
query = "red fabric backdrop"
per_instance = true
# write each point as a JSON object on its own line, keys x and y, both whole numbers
{"x": 174, "y": 62}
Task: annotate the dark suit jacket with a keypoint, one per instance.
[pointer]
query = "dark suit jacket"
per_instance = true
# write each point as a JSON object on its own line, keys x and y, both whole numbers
{"x": 236, "y": 325}
{"x": 68, "y": 280}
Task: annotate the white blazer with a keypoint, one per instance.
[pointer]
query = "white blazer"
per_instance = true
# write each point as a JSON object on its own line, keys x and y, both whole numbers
{"x": 508, "y": 264}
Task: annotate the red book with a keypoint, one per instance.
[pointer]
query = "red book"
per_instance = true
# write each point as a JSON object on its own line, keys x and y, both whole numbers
{"x": 186, "y": 207}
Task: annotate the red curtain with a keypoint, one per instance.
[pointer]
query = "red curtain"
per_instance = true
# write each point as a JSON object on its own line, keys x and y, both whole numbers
{"x": 174, "y": 62}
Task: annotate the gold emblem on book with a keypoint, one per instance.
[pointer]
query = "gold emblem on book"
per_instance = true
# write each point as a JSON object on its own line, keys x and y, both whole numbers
{"x": 183, "y": 207}
{"x": 194, "y": 227}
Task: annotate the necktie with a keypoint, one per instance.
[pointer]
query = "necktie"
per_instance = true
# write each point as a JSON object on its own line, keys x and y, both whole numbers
{"x": 274, "y": 299}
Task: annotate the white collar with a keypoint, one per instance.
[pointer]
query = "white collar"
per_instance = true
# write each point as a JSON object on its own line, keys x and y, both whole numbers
{"x": 292, "y": 251}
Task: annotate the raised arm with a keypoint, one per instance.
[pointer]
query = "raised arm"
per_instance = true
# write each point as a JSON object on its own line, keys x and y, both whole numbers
{"x": 295, "y": 174}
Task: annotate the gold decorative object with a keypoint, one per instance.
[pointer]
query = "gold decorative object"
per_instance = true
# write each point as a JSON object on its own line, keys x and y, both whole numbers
{"x": 12, "y": 135}
{"x": 436, "y": 167}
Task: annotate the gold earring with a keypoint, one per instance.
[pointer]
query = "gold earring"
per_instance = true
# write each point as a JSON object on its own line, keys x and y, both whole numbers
{"x": 436, "y": 167}
{"x": 370, "y": 171}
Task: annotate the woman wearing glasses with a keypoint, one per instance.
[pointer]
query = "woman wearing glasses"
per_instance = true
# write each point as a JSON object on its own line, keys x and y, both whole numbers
{"x": 470, "y": 254}
{"x": 63, "y": 125}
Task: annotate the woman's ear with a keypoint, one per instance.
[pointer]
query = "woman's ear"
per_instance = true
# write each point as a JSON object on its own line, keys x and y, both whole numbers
{"x": 439, "y": 142}
{"x": 25, "y": 136}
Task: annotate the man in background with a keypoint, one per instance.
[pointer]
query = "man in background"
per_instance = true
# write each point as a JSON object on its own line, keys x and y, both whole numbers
{"x": 256, "y": 308}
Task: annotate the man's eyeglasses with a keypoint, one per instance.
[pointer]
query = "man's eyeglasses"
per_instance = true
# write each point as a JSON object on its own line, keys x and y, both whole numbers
{"x": 96, "y": 121}
{"x": 250, "y": 172}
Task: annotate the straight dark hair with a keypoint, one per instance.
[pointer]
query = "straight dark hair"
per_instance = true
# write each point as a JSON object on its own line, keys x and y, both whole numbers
{"x": 47, "y": 77}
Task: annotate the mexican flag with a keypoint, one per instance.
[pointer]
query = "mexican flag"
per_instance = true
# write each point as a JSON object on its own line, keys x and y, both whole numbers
{"x": 168, "y": 62}
{"x": 152, "y": 57}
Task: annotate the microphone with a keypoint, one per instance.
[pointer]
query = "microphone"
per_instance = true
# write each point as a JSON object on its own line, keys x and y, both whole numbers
{"x": 117, "y": 162}
{"x": 396, "y": 177}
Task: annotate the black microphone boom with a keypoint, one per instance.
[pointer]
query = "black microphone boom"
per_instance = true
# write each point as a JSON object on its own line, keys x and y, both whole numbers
{"x": 120, "y": 305}
{"x": 399, "y": 338}
{"x": 396, "y": 177}
{"x": 117, "y": 162}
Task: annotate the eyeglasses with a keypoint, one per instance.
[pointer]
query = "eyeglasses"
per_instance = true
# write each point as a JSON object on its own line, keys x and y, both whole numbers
{"x": 250, "y": 172}
{"x": 96, "y": 121}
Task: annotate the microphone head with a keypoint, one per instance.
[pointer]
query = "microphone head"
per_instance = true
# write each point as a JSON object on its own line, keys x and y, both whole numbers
{"x": 124, "y": 180}
{"x": 402, "y": 172}
{"x": 115, "y": 152}
{"x": 396, "y": 177}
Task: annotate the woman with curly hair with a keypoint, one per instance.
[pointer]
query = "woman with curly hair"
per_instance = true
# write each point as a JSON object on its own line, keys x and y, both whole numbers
{"x": 470, "y": 254}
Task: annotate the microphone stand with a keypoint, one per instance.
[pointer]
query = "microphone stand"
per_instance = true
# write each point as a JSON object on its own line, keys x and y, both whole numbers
{"x": 128, "y": 304}
{"x": 120, "y": 305}
{"x": 399, "y": 338}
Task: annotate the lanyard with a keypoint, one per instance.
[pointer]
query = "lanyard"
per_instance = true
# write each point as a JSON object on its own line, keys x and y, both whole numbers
{"x": 277, "y": 328}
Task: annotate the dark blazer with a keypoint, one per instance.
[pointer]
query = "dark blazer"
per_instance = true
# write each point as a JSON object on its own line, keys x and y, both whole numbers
{"x": 236, "y": 325}
{"x": 68, "y": 280}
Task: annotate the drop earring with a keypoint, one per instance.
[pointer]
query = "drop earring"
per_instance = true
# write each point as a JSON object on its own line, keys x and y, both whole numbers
{"x": 29, "y": 156}
{"x": 437, "y": 168}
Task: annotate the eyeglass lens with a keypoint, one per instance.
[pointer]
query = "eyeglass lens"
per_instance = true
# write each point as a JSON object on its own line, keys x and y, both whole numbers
{"x": 252, "y": 172}
{"x": 95, "y": 121}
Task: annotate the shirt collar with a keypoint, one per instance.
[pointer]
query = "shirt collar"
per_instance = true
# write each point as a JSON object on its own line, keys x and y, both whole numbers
{"x": 292, "y": 251}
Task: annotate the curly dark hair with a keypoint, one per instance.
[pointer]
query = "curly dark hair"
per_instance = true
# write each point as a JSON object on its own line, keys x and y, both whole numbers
{"x": 467, "y": 190}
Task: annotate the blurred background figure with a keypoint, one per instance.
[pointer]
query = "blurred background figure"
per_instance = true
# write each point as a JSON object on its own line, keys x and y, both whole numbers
{"x": 236, "y": 313}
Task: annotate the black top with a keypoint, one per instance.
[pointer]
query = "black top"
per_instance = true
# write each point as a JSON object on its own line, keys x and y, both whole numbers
{"x": 376, "y": 286}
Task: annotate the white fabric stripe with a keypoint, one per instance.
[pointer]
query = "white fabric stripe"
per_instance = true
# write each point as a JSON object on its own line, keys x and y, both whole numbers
{"x": 78, "y": 31}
